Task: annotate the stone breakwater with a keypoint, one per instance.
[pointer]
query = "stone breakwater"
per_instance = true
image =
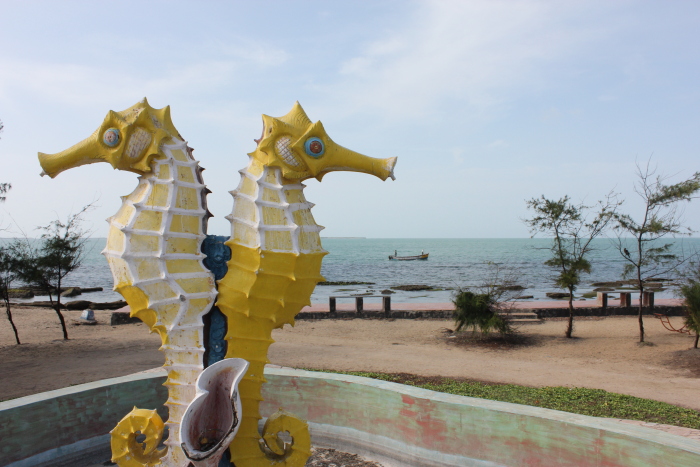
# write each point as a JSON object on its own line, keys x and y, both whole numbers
{"x": 446, "y": 310}
{"x": 75, "y": 305}
{"x": 448, "y": 313}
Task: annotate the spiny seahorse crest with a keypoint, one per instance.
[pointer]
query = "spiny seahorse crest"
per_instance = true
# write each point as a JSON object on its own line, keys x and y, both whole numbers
{"x": 128, "y": 140}
{"x": 302, "y": 149}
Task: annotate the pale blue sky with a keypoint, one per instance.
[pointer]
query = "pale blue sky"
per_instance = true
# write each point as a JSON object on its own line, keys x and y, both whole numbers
{"x": 485, "y": 103}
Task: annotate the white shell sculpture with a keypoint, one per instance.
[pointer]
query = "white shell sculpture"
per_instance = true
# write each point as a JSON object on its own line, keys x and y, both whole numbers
{"x": 212, "y": 419}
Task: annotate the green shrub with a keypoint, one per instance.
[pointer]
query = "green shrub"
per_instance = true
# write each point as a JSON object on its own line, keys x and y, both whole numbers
{"x": 479, "y": 312}
{"x": 691, "y": 296}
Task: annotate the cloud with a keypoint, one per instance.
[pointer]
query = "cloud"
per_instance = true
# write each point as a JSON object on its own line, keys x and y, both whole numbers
{"x": 457, "y": 155}
{"x": 73, "y": 84}
{"x": 225, "y": 65}
{"x": 252, "y": 51}
{"x": 550, "y": 114}
{"x": 475, "y": 52}
{"x": 498, "y": 144}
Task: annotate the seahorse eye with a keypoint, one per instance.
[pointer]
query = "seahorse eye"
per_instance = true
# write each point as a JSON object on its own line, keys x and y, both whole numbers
{"x": 111, "y": 137}
{"x": 314, "y": 147}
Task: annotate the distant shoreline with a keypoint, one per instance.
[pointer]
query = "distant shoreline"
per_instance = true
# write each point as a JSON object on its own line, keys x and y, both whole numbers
{"x": 671, "y": 239}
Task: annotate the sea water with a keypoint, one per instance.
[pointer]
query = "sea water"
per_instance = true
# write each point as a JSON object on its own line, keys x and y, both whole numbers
{"x": 452, "y": 264}
{"x": 460, "y": 263}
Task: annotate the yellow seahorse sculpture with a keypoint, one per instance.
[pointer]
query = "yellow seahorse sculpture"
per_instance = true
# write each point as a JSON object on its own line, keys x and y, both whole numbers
{"x": 275, "y": 264}
{"x": 153, "y": 250}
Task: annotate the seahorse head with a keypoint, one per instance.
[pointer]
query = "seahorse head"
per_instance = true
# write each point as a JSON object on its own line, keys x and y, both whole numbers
{"x": 302, "y": 149}
{"x": 128, "y": 140}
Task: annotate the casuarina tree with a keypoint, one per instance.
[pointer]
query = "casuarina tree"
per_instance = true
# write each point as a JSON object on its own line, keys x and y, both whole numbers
{"x": 4, "y": 188}
{"x": 660, "y": 217}
{"x": 691, "y": 301}
{"x": 7, "y": 274}
{"x": 572, "y": 235}
{"x": 58, "y": 252}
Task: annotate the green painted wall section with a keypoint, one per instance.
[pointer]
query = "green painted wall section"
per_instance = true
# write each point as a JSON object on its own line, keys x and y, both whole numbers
{"x": 35, "y": 424}
{"x": 446, "y": 425}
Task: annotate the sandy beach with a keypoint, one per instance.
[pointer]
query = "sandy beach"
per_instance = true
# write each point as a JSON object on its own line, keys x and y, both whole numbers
{"x": 604, "y": 354}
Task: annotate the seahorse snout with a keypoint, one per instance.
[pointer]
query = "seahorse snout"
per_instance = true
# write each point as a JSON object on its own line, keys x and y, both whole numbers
{"x": 85, "y": 152}
{"x": 390, "y": 163}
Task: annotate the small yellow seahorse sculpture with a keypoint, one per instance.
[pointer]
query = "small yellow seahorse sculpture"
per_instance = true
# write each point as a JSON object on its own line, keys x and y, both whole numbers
{"x": 275, "y": 264}
{"x": 153, "y": 249}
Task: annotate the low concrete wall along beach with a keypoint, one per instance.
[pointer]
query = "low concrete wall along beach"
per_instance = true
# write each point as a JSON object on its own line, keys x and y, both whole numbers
{"x": 391, "y": 423}
{"x": 73, "y": 422}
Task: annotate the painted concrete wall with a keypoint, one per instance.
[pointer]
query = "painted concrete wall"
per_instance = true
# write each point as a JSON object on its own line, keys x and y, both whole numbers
{"x": 47, "y": 421}
{"x": 412, "y": 426}
{"x": 447, "y": 428}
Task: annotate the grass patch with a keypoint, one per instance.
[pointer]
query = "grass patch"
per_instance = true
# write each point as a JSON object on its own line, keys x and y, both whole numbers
{"x": 592, "y": 402}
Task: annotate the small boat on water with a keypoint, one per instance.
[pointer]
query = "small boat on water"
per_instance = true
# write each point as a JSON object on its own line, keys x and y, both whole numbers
{"x": 396, "y": 257}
